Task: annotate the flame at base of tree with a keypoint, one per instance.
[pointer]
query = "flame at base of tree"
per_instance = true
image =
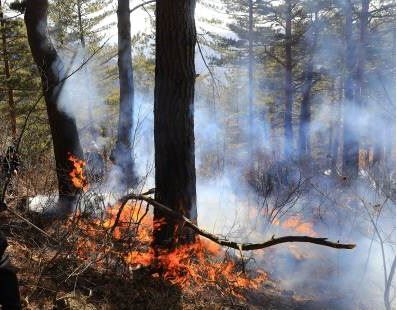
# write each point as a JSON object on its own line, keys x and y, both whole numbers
{"x": 77, "y": 175}
{"x": 198, "y": 265}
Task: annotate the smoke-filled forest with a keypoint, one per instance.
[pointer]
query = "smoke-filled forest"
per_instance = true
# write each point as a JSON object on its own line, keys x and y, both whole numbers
{"x": 196, "y": 154}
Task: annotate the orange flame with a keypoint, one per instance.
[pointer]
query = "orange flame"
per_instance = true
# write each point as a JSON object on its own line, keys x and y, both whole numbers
{"x": 200, "y": 264}
{"x": 77, "y": 175}
{"x": 296, "y": 224}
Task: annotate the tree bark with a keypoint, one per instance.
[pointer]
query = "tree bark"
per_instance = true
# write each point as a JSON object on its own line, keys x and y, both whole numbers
{"x": 122, "y": 154}
{"x": 350, "y": 137}
{"x": 10, "y": 91}
{"x": 63, "y": 127}
{"x": 288, "y": 134}
{"x": 173, "y": 119}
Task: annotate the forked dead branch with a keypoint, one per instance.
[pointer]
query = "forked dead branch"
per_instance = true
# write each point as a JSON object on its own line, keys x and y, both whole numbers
{"x": 225, "y": 242}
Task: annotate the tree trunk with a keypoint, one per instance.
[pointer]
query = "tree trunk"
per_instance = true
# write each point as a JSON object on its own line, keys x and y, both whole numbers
{"x": 350, "y": 137}
{"x": 10, "y": 91}
{"x": 63, "y": 127}
{"x": 362, "y": 50}
{"x": 305, "y": 113}
{"x": 336, "y": 126}
{"x": 80, "y": 21}
{"x": 360, "y": 87}
{"x": 250, "y": 76}
{"x": 288, "y": 134}
{"x": 173, "y": 118}
{"x": 122, "y": 154}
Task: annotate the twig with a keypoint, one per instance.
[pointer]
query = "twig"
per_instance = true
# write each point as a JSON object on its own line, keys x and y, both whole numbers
{"x": 141, "y": 4}
{"x": 31, "y": 224}
{"x": 233, "y": 244}
{"x": 388, "y": 285}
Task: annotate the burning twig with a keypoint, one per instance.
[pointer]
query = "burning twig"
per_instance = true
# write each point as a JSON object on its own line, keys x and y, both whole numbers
{"x": 232, "y": 244}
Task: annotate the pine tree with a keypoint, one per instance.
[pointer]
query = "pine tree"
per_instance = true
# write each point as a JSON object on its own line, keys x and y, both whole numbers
{"x": 20, "y": 77}
{"x": 79, "y": 21}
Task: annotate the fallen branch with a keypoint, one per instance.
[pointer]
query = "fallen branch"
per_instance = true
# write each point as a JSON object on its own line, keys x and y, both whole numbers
{"x": 233, "y": 244}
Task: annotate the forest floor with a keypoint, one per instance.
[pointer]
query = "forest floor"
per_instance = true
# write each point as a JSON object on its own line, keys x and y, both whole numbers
{"x": 52, "y": 281}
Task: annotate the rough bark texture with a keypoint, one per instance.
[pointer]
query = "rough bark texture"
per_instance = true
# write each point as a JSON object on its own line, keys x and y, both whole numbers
{"x": 63, "y": 127}
{"x": 122, "y": 155}
{"x": 10, "y": 91}
{"x": 288, "y": 134}
{"x": 350, "y": 138}
{"x": 173, "y": 114}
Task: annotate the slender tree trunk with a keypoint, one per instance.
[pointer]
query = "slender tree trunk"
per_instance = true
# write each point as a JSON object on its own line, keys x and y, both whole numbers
{"x": 63, "y": 127}
{"x": 337, "y": 127}
{"x": 250, "y": 75}
{"x": 350, "y": 136}
{"x": 122, "y": 154}
{"x": 173, "y": 118}
{"x": 360, "y": 87}
{"x": 305, "y": 113}
{"x": 80, "y": 21}
{"x": 288, "y": 134}
{"x": 10, "y": 91}
{"x": 362, "y": 51}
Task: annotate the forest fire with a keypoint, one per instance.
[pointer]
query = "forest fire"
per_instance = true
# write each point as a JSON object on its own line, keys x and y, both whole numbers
{"x": 77, "y": 175}
{"x": 200, "y": 264}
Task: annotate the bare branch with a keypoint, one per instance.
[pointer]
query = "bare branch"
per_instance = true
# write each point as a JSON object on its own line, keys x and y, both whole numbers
{"x": 141, "y": 5}
{"x": 233, "y": 244}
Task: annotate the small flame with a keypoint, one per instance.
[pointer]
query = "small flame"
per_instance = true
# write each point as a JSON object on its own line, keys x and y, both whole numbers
{"x": 77, "y": 175}
{"x": 297, "y": 224}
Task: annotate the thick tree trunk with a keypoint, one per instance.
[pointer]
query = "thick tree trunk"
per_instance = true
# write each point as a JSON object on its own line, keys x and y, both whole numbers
{"x": 288, "y": 134}
{"x": 173, "y": 118}
{"x": 250, "y": 76}
{"x": 350, "y": 136}
{"x": 10, "y": 91}
{"x": 122, "y": 154}
{"x": 63, "y": 127}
